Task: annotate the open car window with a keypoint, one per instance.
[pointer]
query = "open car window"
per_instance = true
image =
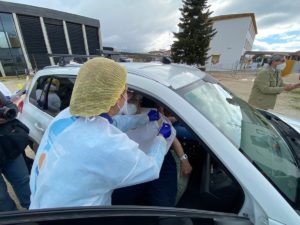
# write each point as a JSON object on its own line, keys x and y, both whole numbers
{"x": 209, "y": 186}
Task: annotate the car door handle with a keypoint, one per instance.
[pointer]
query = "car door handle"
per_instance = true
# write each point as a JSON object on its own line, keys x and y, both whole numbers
{"x": 38, "y": 127}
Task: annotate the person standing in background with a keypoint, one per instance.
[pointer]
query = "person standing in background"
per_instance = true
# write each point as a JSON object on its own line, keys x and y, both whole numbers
{"x": 268, "y": 84}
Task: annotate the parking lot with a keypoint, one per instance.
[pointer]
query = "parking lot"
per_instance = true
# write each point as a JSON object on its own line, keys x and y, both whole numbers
{"x": 288, "y": 103}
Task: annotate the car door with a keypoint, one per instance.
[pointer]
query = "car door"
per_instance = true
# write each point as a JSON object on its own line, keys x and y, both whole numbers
{"x": 33, "y": 114}
{"x": 256, "y": 206}
{"x": 48, "y": 96}
{"x": 121, "y": 215}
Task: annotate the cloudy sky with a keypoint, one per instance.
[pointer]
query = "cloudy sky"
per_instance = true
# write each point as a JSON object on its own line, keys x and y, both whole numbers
{"x": 145, "y": 25}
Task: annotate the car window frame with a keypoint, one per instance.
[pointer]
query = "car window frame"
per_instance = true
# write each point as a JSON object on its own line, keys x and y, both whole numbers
{"x": 77, "y": 213}
{"x": 34, "y": 102}
{"x": 291, "y": 203}
{"x": 208, "y": 151}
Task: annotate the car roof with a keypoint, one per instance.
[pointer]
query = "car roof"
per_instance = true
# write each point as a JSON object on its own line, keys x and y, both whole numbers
{"x": 170, "y": 75}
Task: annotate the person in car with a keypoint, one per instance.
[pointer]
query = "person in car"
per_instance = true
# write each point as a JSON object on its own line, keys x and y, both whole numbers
{"x": 268, "y": 84}
{"x": 84, "y": 154}
{"x": 133, "y": 107}
{"x": 163, "y": 191}
{"x": 53, "y": 100}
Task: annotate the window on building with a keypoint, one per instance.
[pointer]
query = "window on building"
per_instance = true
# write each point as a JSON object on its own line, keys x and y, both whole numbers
{"x": 11, "y": 55}
{"x": 251, "y": 30}
{"x": 215, "y": 59}
{"x": 247, "y": 45}
{"x": 34, "y": 40}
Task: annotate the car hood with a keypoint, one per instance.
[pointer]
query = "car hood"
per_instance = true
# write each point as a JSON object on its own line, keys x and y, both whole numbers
{"x": 293, "y": 122}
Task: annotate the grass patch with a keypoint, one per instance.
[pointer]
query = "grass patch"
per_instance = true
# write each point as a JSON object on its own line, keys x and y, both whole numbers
{"x": 295, "y": 91}
{"x": 295, "y": 96}
{"x": 296, "y": 107}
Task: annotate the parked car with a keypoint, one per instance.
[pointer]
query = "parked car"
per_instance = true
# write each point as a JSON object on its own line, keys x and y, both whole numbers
{"x": 245, "y": 161}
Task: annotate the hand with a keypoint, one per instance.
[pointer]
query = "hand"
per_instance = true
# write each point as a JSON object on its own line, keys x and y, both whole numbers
{"x": 172, "y": 119}
{"x": 289, "y": 87}
{"x": 153, "y": 115}
{"x": 2, "y": 120}
{"x": 165, "y": 130}
{"x": 185, "y": 167}
{"x": 294, "y": 86}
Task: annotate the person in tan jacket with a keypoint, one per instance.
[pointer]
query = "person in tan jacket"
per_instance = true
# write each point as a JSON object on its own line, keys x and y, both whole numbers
{"x": 268, "y": 84}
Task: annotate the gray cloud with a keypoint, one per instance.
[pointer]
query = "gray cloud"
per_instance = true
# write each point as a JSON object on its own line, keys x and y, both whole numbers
{"x": 132, "y": 25}
{"x": 268, "y": 13}
{"x": 127, "y": 25}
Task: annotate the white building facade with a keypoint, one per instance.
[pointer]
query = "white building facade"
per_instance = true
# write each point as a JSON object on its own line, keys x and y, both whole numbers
{"x": 235, "y": 35}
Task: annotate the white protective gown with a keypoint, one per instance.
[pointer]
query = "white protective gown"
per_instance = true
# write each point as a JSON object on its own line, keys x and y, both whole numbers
{"x": 81, "y": 161}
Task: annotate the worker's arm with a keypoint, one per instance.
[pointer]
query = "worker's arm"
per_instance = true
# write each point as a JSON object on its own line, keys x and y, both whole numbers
{"x": 265, "y": 85}
{"x": 128, "y": 122}
{"x": 130, "y": 165}
{"x": 289, "y": 87}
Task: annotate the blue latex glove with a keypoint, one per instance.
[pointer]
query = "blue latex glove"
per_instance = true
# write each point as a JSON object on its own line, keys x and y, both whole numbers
{"x": 153, "y": 115}
{"x": 165, "y": 130}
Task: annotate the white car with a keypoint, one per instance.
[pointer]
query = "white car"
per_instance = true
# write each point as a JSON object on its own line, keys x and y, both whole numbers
{"x": 245, "y": 161}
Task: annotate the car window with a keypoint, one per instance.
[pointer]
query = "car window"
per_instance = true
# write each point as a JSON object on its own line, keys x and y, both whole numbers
{"x": 250, "y": 132}
{"x": 52, "y": 94}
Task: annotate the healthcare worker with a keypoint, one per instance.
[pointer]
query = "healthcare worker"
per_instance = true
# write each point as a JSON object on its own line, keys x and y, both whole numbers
{"x": 84, "y": 155}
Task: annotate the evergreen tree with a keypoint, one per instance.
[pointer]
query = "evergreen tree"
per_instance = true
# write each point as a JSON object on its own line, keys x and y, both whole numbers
{"x": 195, "y": 33}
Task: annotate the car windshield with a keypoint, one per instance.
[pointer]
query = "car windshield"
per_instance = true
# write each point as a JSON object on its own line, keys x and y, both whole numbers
{"x": 250, "y": 132}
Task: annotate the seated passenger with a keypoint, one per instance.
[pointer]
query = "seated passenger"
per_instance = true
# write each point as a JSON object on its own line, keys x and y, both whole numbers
{"x": 53, "y": 99}
{"x": 160, "y": 192}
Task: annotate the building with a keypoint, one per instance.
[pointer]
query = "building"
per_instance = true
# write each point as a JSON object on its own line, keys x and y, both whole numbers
{"x": 28, "y": 34}
{"x": 235, "y": 35}
{"x": 161, "y": 52}
{"x": 259, "y": 58}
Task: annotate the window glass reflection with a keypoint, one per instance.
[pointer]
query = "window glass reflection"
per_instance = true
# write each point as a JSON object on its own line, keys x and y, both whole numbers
{"x": 252, "y": 134}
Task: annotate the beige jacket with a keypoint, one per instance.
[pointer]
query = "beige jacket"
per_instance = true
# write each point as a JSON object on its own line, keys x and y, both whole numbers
{"x": 267, "y": 85}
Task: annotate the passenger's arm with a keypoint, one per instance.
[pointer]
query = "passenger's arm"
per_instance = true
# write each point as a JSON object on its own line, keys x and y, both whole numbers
{"x": 185, "y": 166}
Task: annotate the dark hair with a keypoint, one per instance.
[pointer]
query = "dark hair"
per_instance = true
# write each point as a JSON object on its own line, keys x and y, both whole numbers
{"x": 276, "y": 58}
